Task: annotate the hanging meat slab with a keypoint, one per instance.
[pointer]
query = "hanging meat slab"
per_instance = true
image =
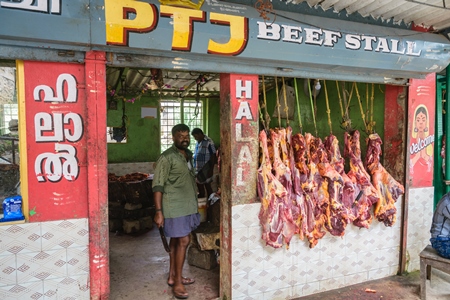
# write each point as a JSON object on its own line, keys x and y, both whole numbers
{"x": 283, "y": 174}
{"x": 346, "y": 197}
{"x": 334, "y": 209}
{"x": 387, "y": 187}
{"x": 298, "y": 146}
{"x": 276, "y": 206}
{"x": 316, "y": 188}
{"x": 365, "y": 194}
{"x": 299, "y": 209}
{"x": 270, "y": 190}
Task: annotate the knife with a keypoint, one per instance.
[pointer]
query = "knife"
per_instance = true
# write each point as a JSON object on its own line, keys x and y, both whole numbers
{"x": 164, "y": 240}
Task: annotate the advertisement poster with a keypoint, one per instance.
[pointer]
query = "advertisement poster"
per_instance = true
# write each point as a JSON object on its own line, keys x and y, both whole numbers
{"x": 421, "y": 131}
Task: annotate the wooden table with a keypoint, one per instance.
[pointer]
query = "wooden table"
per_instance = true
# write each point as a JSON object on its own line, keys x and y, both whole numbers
{"x": 429, "y": 258}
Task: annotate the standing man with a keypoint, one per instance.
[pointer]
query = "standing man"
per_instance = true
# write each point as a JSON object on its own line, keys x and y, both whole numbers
{"x": 175, "y": 196}
{"x": 204, "y": 158}
{"x": 440, "y": 228}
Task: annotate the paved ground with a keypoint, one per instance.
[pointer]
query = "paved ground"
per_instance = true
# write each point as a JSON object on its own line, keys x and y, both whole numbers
{"x": 405, "y": 287}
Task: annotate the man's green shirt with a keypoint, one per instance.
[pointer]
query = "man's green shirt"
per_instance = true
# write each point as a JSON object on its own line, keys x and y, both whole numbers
{"x": 175, "y": 178}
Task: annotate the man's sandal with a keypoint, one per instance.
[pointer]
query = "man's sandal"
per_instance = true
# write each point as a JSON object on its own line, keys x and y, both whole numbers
{"x": 184, "y": 280}
{"x": 181, "y": 296}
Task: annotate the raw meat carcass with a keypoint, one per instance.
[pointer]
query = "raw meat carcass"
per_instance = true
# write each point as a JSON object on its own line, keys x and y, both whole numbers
{"x": 316, "y": 188}
{"x": 299, "y": 149}
{"x": 275, "y": 215}
{"x": 365, "y": 193}
{"x": 299, "y": 209}
{"x": 333, "y": 208}
{"x": 387, "y": 187}
{"x": 347, "y": 194}
{"x": 283, "y": 174}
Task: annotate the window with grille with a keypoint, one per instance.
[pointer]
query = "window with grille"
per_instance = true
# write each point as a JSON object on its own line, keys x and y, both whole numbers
{"x": 174, "y": 112}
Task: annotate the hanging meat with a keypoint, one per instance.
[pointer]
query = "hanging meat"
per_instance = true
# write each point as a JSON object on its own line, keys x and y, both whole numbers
{"x": 299, "y": 148}
{"x": 366, "y": 193}
{"x": 316, "y": 189}
{"x": 334, "y": 209}
{"x": 387, "y": 187}
{"x": 270, "y": 191}
{"x": 276, "y": 206}
{"x": 347, "y": 194}
{"x": 283, "y": 174}
{"x": 299, "y": 209}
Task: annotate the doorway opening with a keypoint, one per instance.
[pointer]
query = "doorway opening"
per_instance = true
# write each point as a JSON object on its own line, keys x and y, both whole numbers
{"x": 142, "y": 106}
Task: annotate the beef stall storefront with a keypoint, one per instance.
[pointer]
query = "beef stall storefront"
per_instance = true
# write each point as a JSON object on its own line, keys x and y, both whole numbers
{"x": 74, "y": 41}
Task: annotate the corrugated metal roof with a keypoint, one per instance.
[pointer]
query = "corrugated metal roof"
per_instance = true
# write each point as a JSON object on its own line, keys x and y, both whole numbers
{"x": 433, "y": 14}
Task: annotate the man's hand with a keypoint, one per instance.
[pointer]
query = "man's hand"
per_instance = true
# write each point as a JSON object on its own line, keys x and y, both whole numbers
{"x": 159, "y": 219}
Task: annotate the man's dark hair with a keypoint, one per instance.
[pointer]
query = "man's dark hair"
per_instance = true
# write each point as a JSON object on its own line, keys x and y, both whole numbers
{"x": 180, "y": 127}
{"x": 196, "y": 131}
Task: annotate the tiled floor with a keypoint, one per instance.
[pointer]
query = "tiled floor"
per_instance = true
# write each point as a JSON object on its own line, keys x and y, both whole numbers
{"x": 139, "y": 268}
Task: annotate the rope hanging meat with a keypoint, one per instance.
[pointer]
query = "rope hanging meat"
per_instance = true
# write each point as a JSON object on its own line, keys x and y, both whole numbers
{"x": 266, "y": 120}
{"x": 313, "y": 108}
{"x": 363, "y": 115}
{"x": 278, "y": 102}
{"x": 286, "y": 107}
{"x": 298, "y": 105}
{"x": 328, "y": 106}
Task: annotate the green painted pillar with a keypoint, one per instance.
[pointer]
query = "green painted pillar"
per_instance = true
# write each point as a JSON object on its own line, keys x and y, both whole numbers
{"x": 447, "y": 129}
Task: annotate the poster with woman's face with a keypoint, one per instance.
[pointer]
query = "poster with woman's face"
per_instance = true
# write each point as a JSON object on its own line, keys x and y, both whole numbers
{"x": 421, "y": 129}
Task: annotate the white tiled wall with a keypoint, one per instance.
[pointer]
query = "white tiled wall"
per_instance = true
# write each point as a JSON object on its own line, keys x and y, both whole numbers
{"x": 262, "y": 272}
{"x": 48, "y": 260}
{"x": 420, "y": 216}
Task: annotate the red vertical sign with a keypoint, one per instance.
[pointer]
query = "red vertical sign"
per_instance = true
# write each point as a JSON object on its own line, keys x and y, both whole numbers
{"x": 422, "y": 94}
{"x": 244, "y": 110}
{"x": 56, "y": 140}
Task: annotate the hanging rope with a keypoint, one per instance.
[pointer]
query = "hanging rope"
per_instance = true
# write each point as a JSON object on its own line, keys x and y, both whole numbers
{"x": 278, "y": 102}
{"x": 340, "y": 99}
{"x": 261, "y": 115}
{"x": 286, "y": 107}
{"x": 312, "y": 107}
{"x": 363, "y": 116}
{"x": 328, "y": 106}
{"x": 349, "y": 99}
{"x": 372, "y": 123}
{"x": 298, "y": 106}
{"x": 267, "y": 118}
{"x": 367, "y": 98}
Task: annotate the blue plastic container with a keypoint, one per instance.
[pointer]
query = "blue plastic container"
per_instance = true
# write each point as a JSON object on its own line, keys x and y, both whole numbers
{"x": 12, "y": 209}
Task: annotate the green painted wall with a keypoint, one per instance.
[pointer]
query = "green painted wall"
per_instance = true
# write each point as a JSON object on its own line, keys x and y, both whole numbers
{"x": 212, "y": 119}
{"x": 143, "y": 133}
{"x": 143, "y": 142}
{"x": 321, "y": 116}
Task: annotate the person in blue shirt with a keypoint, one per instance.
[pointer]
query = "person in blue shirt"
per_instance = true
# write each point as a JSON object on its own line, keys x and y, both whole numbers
{"x": 204, "y": 160}
{"x": 440, "y": 228}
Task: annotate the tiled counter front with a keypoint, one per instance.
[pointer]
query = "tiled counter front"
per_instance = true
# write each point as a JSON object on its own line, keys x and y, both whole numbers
{"x": 262, "y": 272}
{"x": 420, "y": 217}
{"x": 48, "y": 260}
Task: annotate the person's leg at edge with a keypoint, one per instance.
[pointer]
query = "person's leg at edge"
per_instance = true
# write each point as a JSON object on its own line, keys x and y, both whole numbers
{"x": 179, "y": 256}
{"x": 172, "y": 246}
